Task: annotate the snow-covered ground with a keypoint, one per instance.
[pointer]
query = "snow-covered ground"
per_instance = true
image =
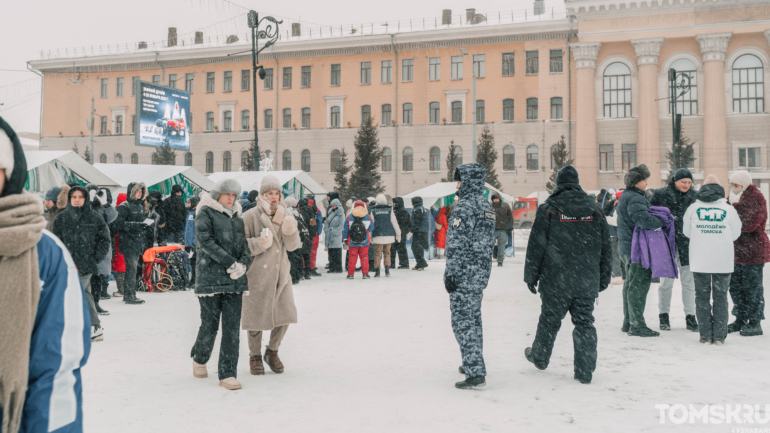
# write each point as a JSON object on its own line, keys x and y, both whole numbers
{"x": 380, "y": 356}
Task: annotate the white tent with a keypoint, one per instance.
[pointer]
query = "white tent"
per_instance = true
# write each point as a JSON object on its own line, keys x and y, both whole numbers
{"x": 442, "y": 194}
{"x": 158, "y": 177}
{"x": 49, "y": 168}
{"x": 296, "y": 183}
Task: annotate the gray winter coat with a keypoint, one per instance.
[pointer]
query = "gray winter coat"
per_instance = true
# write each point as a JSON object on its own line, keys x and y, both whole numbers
{"x": 335, "y": 222}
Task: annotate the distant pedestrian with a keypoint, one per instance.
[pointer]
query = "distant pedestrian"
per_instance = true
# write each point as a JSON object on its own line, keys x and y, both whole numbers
{"x": 404, "y": 221}
{"x": 189, "y": 234}
{"x": 420, "y": 226}
{"x": 56, "y": 200}
{"x": 503, "y": 226}
{"x": 176, "y": 215}
{"x": 132, "y": 226}
{"x": 335, "y": 222}
{"x": 357, "y": 235}
{"x": 386, "y": 231}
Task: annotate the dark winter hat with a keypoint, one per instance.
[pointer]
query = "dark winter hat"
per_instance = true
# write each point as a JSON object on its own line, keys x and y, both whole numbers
{"x": 496, "y": 196}
{"x": 53, "y": 194}
{"x": 12, "y": 159}
{"x": 252, "y": 195}
{"x": 177, "y": 188}
{"x": 682, "y": 173}
{"x": 636, "y": 175}
{"x": 567, "y": 174}
{"x": 194, "y": 200}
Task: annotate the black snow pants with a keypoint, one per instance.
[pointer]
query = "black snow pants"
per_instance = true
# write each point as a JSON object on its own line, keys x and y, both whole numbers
{"x": 398, "y": 249}
{"x": 297, "y": 265}
{"x": 228, "y": 307}
{"x": 747, "y": 292}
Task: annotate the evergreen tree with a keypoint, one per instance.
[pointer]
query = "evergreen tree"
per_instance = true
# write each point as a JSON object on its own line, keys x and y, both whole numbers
{"x": 561, "y": 158}
{"x": 486, "y": 155}
{"x": 248, "y": 163}
{"x": 165, "y": 155}
{"x": 341, "y": 181}
{"x": 365, "y": 181}
{"x": 451, "y": 162}
{"x": 87, "y": 154}
{"x": 684, "y": 155}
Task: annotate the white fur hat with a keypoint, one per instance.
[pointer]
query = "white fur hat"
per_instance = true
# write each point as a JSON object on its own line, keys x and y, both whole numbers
{"x": 269, "y": 183}
{"x": 225, "y": 186}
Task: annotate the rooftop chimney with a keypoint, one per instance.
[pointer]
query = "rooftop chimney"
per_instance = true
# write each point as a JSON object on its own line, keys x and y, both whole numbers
{"x": 446, "y": 17}
{"x": 172, "y": 36}
{"x": 232, "y": 39}
{"x": 198, "y": 37}
{"x": 142, "y": 45}
{"x": 469, "y": 13}
{"x": 296, "y": 29}
{"x": 539, "y": 7}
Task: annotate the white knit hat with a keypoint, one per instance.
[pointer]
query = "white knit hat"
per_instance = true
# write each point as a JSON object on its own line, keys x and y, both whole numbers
{"x": 290, "y": 202}
{"x": 381, "y": 199}
{"x": 225, "y": 186}
{"x": 741, "y": 177}
{"x": 269, "y": 183}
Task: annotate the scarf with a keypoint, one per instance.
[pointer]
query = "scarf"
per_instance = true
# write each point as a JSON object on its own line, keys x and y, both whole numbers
{"x": 21, "y": 225}
{"x": 276, "y": 211}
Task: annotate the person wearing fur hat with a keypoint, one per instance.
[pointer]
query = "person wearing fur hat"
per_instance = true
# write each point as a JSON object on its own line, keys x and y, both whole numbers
{"x": 752, "y": 251}
{"x": 101, "y": 201}
{"x": 55, "y": 203}
{"x": 132, "y": 228}
{"x": 220, "y": 279}
{"x": 633, "y": 211}
{"x": 356, "y": 235}
{"x": 271, "y": 232}
{"x": 176, "y": 215}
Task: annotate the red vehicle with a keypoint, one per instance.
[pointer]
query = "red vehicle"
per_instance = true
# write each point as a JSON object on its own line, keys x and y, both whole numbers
{"x": 172, "y": 127}
{"x": 524, "y": 210}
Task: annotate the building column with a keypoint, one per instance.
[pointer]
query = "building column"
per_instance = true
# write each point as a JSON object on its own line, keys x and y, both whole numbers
{"x": 586, "y": 152}
{"x": 713, "y": 47}
{"x": 648, "y": 124}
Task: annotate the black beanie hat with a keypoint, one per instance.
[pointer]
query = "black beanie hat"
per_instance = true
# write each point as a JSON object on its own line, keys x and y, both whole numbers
{"x": 567, "y": 174}
{"x": 682, "y": 173}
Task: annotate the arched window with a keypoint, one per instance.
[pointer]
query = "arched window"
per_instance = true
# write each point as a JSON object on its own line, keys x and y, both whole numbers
{"x": 531, "y": 108}
{"x": 687, "y": 104}
{"x": 748, "y": 85}
{"x": 210, "y": 121}
{"x": 118, "y": 125}
{"x": 306, "y": 117}
{"x": 480, "y": 111}
{"x": 286, "y": 160}
{"x": 226, "y": 161}
{"x": 408, "y": 164}
{"x": 245, "y": 161}
{"x": 209, "y": 162}
{"x": 286, "y": 118}
{"x": 509, "y": 158}
{"x": 188, "y": 159}
{"x": 407, "y": 117}
{"x": 457, "y": 112}
{"x": 228, "y": 120}
{"x": 435, "y": 159}
{"x": 435, "y": 112}
{"x": 532, "y": 153}
{"x": 366, "y": 113}
{"x": 268, "y": 119}
{"x": 508, "y": 110}
{"x": 617, "y": 91}
{"x": 118, "y": 158}
{"x": 103, "y": 158}
{"x": 134, "y": 158}
{"x": 556, "y": 109}
{"x": 386, "y": 115}
{"x": 335, "y": 161}
{"x": 305, "y": 161}
{"x": 458, "y": 156}
{"x": 335, "y": 117}
{"x": 154, "y": 159}
{"x": 387, "y": 160}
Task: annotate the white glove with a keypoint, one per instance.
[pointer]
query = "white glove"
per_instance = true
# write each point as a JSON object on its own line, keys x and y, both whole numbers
{"x": 266, "y": 240}
{"x": 232, "y": 268}
{"x": 239, "y": 272}
{"x": 409, "y": 236}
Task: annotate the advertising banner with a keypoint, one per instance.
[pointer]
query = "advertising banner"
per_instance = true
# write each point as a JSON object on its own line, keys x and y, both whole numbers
{"x": 163, "y": 116}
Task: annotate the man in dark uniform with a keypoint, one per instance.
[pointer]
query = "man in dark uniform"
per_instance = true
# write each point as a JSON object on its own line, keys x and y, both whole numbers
{"x": 570, "y": 255}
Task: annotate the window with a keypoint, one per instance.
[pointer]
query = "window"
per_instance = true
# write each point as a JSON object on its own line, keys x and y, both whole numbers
{"x": 286, "y": 78}
{"x": 118, "y": 158}
{"x": 134, "y": 85}
{"x": 509, "y": 158}
{"x": 606, "y": 157}
{"x": 508, "y": 110}
{"x": 387, "y": 160}
{"x": 458, "y": 156}
{"x": 210, "y": 82}
{"x": 435, "y": 112}
{"x": 532, "y": 164}
{"x": 531, "y": 108}
{"x": 434, "y": 68}
{"x": 268, "y": 81}
{"x": 228, "y": 82}
{"x": 105, "y": 85}
{"x": 306, "y": 117}
{"x": 386, "y": 115}
{"x": 305, "y": 161}
{"x": 457, "y": 67}
{"x": 386, "y": 70}
{"x": 103, "y": 125}
{"x": 305, "y": 77}
{"x": 748, "y": 157}
{"x": 188, "y": 82}
{"x": 210, "y": 121}
{"x": 532, "y": 62}
{"x": 336, "y": 74}
{"x": 479, "y": 65}
{"x": 119, "y": 88}
{"x": 154, "y": 159}
{"x": 286, "y": 118}
{"x": 407, "y": 70}
{"x": 245, "y": 120}
{"x": 228, "y": 115}
{"x": 366, "y": 113}
{"x": 480, "y": 111}
{"x": 188, "y": 159}
{"x": 245, "y": 79}
{"x": 133, "y": 123}
{"x": 687, "y": 104}
{"x": 103, "y": 158}
{"x": 268, "y": 119}
{"x": 629, "y": 156}
{"x": 408, "y": 160}
{"x": 556, "y": 62}
{"x": 556, "y": 109}
{"x": 508, "y": 64}
{"x": 435, "y": 159}
{"x": 617, "y": 91}
{"x": 118, "y": 125}
{"x": 134, "y": 158}
{"x": 227, "y": 161}
{"x": 156, "y": 79}
{"x": 748, "y": 85}
{"x": 245, "y": 161}
{"x": 172, "y": 81}
{"x": 407, "y": 117}
{"x": 366, "y": 72}
{"x": 457, "y": 112}
{"x": 209, "y": 162}
{"x": 334, "y": 161}
{"x": 335, "y": 117}
{"x": 286, "y": 160}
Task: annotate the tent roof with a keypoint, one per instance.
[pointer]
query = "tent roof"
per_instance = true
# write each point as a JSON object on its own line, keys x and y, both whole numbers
{"x": 438, "y": 190}
{"x": 250, "y": 180}
{"x": 152, "y": 174}
{"x": 72, "y": 161}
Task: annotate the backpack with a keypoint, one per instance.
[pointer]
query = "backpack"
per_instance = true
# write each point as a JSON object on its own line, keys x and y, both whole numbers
{"x": 358, "y": 233}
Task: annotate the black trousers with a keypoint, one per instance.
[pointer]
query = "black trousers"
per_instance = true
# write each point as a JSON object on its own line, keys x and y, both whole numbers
{"x": 552, "y": 312}
{"x": 398, "y": 249}
{"x": 335, "y": 259}
{"x": 228, "y": 307}
{"x": 297, "y": 264}
{"x": 131, "y": 283}
{"x": 419, "y": 244}
{"x": 747, "y": 292}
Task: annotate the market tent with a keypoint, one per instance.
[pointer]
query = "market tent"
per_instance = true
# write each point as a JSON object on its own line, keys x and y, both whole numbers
{"x": 296, "y": 183}
{"x": 442, "y": 194}
{"x": 50, "y": 168}
{"x": 158, "y": 177}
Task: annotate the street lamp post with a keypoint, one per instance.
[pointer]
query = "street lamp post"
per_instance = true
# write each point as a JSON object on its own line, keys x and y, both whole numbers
{"x": 677, "y": 90}
{"x": 92, "y": 117}
{"x": 473, "y": 72}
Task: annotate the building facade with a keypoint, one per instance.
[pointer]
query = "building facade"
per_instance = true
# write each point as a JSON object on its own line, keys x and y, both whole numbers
{"x": 598, "y": 78}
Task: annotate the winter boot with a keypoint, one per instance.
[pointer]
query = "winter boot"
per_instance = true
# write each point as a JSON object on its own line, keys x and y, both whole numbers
{"x": 97, "y": 333}
{"x": 377, "y": 273}
{"x": 470, "y": 383}
{"x": 583, "y": 380}
{"x": 132, "y": 300}
{"x": 101, "y": 311}
{"x": 736, "y": 326}
{"x": 387, "y": 271}
{"x": 692, "y": 324}
{"x": 256, "y": 366}
{"x": 704, "y": 341}
{"x": 365, "y": 277}
{"x": 350, "y": 277}
{"x": 230, "y": 383}
{"x": 626, "y": 327}
{"x": 199, "y": 370}
{"x": 530, "y": 358}
{"x": 461, "y": 370}
{"x": 273, "y": 361}
{"x": 105, "y": 296}
{"x": 718, "y": 342}
{"x": 643, "y": 332}
{"x": 315, "y": 273}
{"x": 120, "y": 277}
{"x": 499, "y": 264}
{"x": 752, "y": 328}
{"x": 306, "y": 274}
{"x": 664, "y": 323}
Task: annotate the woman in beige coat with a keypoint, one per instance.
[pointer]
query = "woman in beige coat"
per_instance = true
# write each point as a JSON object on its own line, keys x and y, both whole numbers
{"x": 269, "y": 305}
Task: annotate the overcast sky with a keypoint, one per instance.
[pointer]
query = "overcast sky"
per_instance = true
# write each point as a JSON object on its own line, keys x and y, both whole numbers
{"x": 34, "y": 25}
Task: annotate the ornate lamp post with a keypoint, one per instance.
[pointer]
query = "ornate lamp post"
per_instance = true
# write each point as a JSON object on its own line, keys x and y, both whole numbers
{"x": 677, "y": 89}
{"x": 271, "y": 35}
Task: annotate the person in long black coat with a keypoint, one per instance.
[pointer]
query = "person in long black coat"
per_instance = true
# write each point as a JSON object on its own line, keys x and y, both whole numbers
{"x": 404, "y": 222}
{"x": 176, "y": 215}
{"x": 132, "y": 237}
{"x": 307, "y": 213}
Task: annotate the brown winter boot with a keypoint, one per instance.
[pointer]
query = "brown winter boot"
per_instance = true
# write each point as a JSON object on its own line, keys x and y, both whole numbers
{"x": 199, "y": 370}
{"x": 273, "y": 361}
{"x": 256, "y": 366}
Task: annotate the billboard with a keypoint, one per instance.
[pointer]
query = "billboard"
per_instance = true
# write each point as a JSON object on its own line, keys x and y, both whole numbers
{"x": 163, "y": 116}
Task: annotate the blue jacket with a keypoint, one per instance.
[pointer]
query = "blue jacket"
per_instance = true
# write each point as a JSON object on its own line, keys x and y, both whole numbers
{"x": 382, "y": 219}
{"x": 319, "y": 218}
{"x": 420, "y": 217}
{"x": 189, "y": 229}
{"x": 61, "y": 343}
{"x": 368, "y": 223}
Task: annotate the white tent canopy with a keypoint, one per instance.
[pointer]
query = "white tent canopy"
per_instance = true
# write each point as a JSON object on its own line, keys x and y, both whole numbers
{"x": 251, "y": 180}
{"x": 50, "y": 168}
{"x": 157, "y": 177}
{"x": 433, "y": 193}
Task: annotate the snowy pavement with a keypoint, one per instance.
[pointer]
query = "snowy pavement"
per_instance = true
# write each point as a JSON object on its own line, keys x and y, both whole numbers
{"x": 380, "y": 356}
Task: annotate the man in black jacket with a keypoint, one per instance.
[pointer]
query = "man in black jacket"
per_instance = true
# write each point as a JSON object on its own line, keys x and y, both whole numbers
{"x": 503, "y": 226}
{"x": 570, "y": 255}
{"x": 176, "y": 215}
{"x": 403, "y": 219}
{"x": 132, "y": 232}
{"x": 419, "y": 231}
